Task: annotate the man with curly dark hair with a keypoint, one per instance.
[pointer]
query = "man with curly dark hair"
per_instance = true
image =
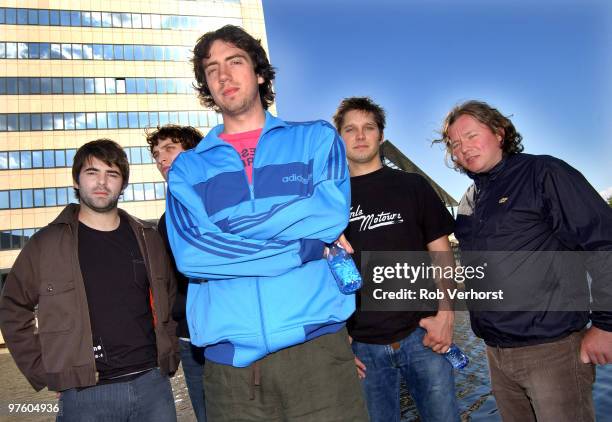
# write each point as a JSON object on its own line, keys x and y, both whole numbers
{"x": 249, "y": 212}
{"x": 542, "y": 213}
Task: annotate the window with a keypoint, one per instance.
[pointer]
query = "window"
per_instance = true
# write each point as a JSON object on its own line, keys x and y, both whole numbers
{"x": 70, "y": 156}
{"x": 75, "y": 18}
{"x": 47, "y": 121}
{"x": 141, "y": 86}
{"x": 149, "y": 52}
{"x": 44, "y": 50}
{"x": 11, "y": 50}
{"x": 96, "y": 19}
{"x": 133, "y": 120}
{"x": 56, "y": 51}
{"x": 112, "y": 120}
{"x": 136, "y": 20}
{"x": 138, "y": 192}
{"x": 14, "y": 160}
{"x": 39, "y": 198}
{"x": 37, "y": 159}
{"x": 24, "y": 85}
{"x": 123, "y": 120}
{"x": 15, "y": 198}
{"x": 64, "y": 18}
{"x": 56, "y": 85}
{"x": 43, "y": 17}
{"x": 101, "y": 117}
{"x": 100, "y": 88}
{"x": 108, "y": 52}
{"x": 149, "y": 191}
{"x": 4, "y": 200}
{"x": 87, "y": 51}
{"x": 36, "y": 121}
{"x": 116, "y": 20}
{"x": 77, "y": 51}
{"x": 34, "y": 50}
{"x": 160, "y": 190}
{"x": 24, "y": 122}
{"x": 143, "y": 119}
{"x": 118, "y": 52}
{"x": 22, "y": 50}
{"x": 34, "y": 85}
{"x": 128, "y": 52}
{"x": 86, "y": 18}
{"x": 79, "y": 86}
{"x": 135, "y": 156}
{"x": 69, "y": 124}
{"x": 146, "y": 21}
{"x": 50, "y": 198}
{"x": 67, "y": 51}
{"x": 27, "y": 200}
{"x": 126, "y": 20}
{"x": 80, "y": 121}
{"x": 89, "y": 86}
{"x": 107, "y": 20}
{"x": 49, "y": 158}
{"x": 97, "y": 51}
{"x": 128, "y": 193}
{"x": 22, "y": 16}
{"x": 54, "y": 17}
{"x": 153, "y": 119}
{"x": 26, "y": 159}
{"x": 110, "y": 85}
{"x": 130, "y": 85}
{"x": 62, "y": 196}
{"x": 120, "y": 82}
{"x": 60, "y": 157}
{"x": 156, "y": 22}
{"x": 151, "y": 86}
{"x": 67, "y": 86}
{"x": 91, "y": 120}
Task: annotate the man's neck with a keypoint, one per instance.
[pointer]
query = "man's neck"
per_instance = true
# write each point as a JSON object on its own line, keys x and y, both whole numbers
{"x": 103, "y": 221}
{"x": 359, "y": 169}
{"x": 244, "y": 122}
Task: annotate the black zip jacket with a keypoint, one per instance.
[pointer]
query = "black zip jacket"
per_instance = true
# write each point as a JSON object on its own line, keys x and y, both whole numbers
{"x": 538, "y": 203}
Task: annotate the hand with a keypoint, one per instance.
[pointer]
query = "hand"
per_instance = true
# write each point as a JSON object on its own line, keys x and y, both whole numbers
{"x": 439, "y": 331}
{"x": 361, "y": 369}
{"x": 345, "y": 244}
{"x": 596, "y": 346}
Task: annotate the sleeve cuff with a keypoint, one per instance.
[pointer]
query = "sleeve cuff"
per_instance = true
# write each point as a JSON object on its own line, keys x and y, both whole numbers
{"x": 602, "y": 320}
{"x": 311, "y": 250}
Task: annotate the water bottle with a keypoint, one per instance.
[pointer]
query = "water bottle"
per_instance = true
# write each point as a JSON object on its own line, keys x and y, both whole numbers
{"x": 344, "y": 269}
{"x": 456, "y": 357}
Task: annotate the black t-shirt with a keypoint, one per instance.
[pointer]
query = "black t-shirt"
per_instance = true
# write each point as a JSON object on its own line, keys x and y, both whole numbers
{"x": 118, "y": 296}
{"x": 392, "y": 210}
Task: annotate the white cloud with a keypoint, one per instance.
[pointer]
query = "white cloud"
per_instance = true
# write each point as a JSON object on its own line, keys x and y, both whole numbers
{"x": 606, "y": 193}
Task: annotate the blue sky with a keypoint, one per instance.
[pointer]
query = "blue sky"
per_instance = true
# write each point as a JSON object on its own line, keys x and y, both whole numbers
{"x": 548, "y": 63}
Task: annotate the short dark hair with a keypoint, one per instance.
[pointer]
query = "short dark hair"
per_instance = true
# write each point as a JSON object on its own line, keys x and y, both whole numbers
{"x": 187, "y": 136}
{"x": 106, "y": 150}
{"x": 488, "y": 116}
{"x": 364, "y": 104}
{"x": 241, "y": 39}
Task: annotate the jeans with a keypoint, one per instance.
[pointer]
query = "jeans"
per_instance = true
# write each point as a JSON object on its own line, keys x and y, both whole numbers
{"x": 146, "y": 398}
{"x": 192, "y": 359}
{"x": 428, "y": 375}
{"x": 544, "y": 382}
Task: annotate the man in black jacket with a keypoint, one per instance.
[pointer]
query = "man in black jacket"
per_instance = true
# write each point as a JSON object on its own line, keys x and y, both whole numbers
{"x": 166, "y": 143}
{"x": 541, "y": 348}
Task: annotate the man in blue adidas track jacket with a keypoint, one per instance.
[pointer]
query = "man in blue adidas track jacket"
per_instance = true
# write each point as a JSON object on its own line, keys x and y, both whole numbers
{"x": 249, "y": 212}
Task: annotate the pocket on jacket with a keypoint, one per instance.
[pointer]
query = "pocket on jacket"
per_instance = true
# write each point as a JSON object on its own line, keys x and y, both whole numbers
{"x": 57, "y": 305}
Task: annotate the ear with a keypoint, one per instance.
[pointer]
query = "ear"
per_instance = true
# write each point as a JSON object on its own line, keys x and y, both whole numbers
{"x": 75, "y": 184}
{"x": 500, "y": 135}
{"x": 382, "y": 138}
{"x": 260, "y": 79}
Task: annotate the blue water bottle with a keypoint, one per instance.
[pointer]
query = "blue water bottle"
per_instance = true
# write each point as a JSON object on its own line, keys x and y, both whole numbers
{"x": 344, "y": 269}
{"x": 456, "y": 357}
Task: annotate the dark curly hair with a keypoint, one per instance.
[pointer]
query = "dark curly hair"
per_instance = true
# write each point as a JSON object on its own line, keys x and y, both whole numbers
{"x": 239, "y": 38}
{"x": 364, "y": 104}
{"x": 488, "y": 116}
{"x": 187, "y": 136}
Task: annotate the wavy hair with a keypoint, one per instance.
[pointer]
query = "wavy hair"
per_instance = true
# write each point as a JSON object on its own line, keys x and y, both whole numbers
{"x": 241, "y": 39}
{"x": 488, "y": 116}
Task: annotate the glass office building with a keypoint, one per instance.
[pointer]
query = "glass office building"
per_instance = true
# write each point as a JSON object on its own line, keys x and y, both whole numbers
{"x": 73, "y": 71}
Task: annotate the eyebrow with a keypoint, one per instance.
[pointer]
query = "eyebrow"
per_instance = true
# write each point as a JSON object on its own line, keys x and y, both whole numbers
{"x": 113, "y": 171}
{"x": 233, "y": 56}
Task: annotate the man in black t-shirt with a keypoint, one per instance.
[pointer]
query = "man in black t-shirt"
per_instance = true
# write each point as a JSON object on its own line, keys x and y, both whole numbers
{"x": 102, "y": 286}
{"x": 407, "y": 345}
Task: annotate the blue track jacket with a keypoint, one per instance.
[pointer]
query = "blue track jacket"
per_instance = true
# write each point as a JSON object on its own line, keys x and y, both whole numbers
{"x": 260, "y": 245}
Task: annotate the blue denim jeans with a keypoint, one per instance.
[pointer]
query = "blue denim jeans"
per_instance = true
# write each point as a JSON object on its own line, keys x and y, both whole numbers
{"x": 192, "y": 359}
{"x": 427, "y": 374}
{"x": 146, "y": 398}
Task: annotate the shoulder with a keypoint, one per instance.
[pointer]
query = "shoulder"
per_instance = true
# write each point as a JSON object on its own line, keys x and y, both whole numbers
{"x": 316, "y": 129}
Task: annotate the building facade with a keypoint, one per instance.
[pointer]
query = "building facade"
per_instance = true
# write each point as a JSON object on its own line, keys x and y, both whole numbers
{"x": 76, "y": 70}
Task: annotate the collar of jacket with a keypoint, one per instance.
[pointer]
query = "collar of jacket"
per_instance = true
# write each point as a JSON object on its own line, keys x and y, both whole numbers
{"x": 212, "y": 140}
{"x": 481, "y": 179}
{"x": 70, "y": 216}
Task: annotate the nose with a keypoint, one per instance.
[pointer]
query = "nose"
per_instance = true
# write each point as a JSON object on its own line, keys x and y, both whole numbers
{"x": 223, "y": 73}
{"x": 360, "y": 134}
